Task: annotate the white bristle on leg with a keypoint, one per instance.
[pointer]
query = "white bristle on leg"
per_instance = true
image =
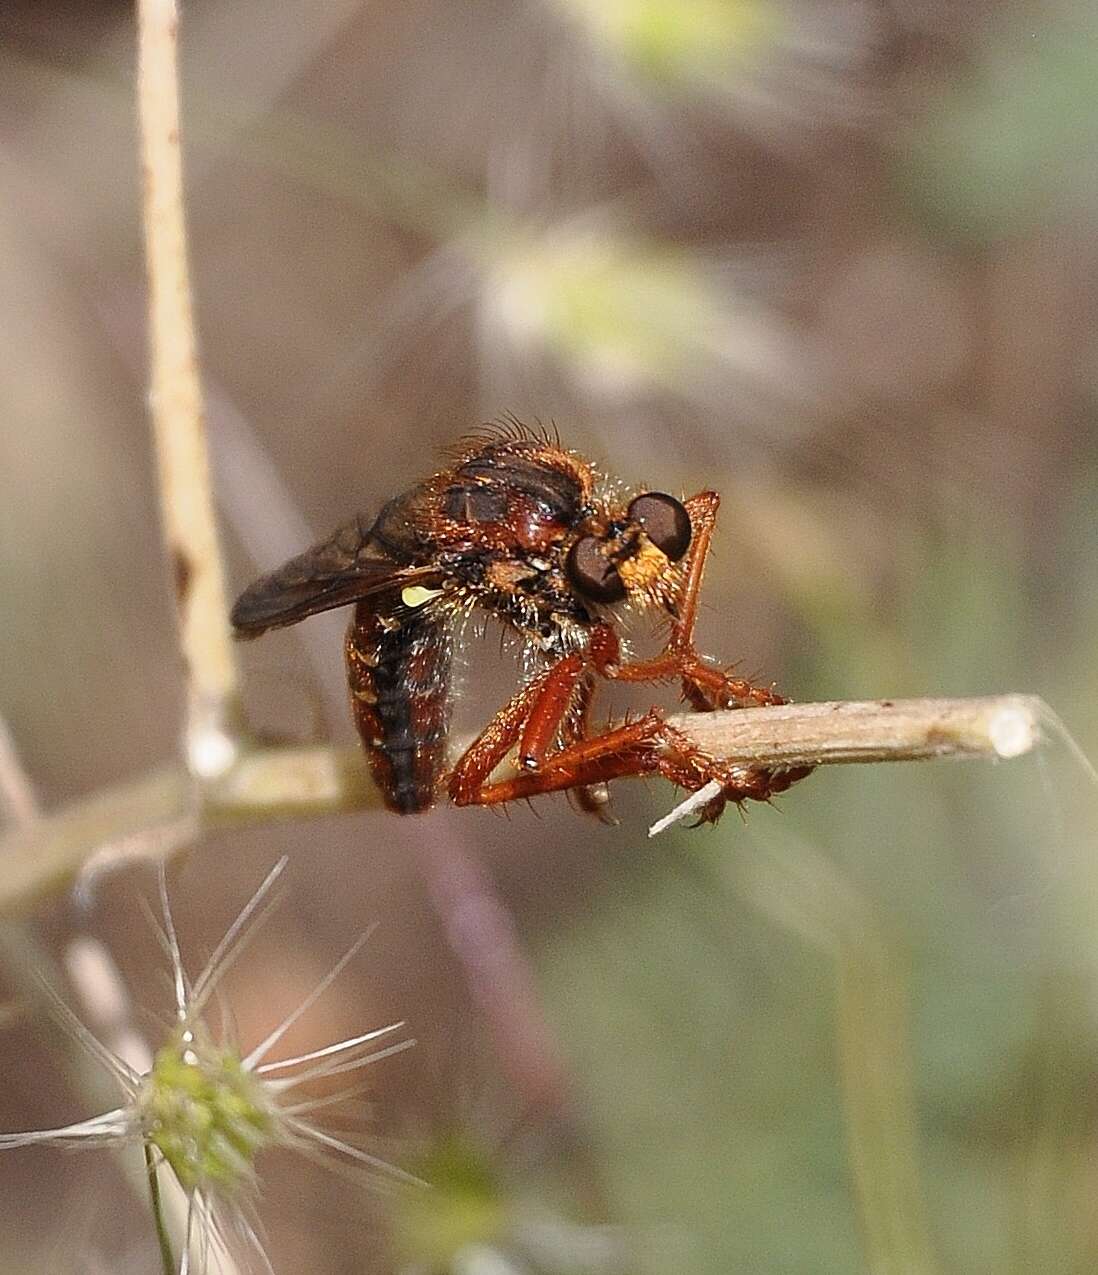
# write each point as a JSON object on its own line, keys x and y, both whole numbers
{"x": 694, "y": 802}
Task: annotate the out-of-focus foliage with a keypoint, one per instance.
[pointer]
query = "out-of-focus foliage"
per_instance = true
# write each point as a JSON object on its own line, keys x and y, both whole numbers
{"x": 834, "y": 260}
{"x": 1015, "y": 141}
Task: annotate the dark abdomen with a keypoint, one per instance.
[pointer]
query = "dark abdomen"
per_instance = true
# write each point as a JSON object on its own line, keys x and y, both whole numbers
{"x": 398, "y": 665}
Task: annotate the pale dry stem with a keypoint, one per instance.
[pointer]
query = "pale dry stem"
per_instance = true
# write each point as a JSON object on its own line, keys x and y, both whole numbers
{"x": 176, "y": 404}
{"x": 157, "y": 815}
{"x": 842, "y": 731}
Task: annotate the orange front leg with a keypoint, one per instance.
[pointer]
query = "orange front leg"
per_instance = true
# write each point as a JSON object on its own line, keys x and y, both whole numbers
{"x": 592, "y": 799}
{"x": 648, "y": 746}
{"x": 702, "y": 509}
{"x": 548, "y": 710}
{"x": 617, "y": 753}
{"x": 705, "y": 687}
{"x": 531, "y": 719}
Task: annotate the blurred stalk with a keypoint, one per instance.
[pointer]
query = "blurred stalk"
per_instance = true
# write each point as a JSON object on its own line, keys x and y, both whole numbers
{"x": 18, "y": 800}
{"x": 1054, "y": 1218}
{"x": 163, "y": 1239}
{"x": 806, "y": 894}
{"x": 482, "y": 935}
{"x": 881, "y": 1125}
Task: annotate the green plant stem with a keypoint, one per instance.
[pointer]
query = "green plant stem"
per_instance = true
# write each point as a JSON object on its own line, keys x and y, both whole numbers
{"x": 163, "y": 1239}
{"x": 808, "y": 895}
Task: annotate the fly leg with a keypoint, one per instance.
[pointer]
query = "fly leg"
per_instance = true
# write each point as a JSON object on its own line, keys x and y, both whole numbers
{"x": 540, "y": 713}
{"x": 625, "y": 750}
{"x": 683, "y": 763}
{"x": 738, "y": 783}
{"x": 648, "y": 746}
{"x": 530, "y": 719}
{"x": 593, "y": 799}
{"x": 705, "y": 687}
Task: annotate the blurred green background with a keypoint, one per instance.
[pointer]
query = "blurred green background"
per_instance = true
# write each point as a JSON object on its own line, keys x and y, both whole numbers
{"x": 835, "y": 259}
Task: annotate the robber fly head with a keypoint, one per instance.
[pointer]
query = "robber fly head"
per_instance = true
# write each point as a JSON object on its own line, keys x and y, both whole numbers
{"x": 631, "y": 555}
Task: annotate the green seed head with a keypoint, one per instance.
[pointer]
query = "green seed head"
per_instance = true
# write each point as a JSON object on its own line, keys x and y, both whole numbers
{"x": 206, "y": 1114}
{"x": 683, "y": 41}
{"x": 611, "y": 308}
{"x": 464, "y": 1205}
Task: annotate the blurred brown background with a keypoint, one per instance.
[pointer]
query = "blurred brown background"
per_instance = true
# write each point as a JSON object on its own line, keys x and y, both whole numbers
{"x": 833, "y": 259}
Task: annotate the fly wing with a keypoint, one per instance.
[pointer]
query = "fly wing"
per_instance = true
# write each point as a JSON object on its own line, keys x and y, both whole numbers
{"x": 356, "y": 560}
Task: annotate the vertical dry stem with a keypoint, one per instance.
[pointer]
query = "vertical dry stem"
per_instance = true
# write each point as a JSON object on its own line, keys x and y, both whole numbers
{"x": 176, "y": 404}
{"x": 179, "y": 426}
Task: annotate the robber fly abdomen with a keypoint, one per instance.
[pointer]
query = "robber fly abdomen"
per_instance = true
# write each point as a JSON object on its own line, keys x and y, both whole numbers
{"x": 398, "y": 667}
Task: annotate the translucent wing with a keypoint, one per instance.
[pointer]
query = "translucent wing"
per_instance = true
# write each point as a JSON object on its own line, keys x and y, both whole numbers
{"x": 357, "y": 560}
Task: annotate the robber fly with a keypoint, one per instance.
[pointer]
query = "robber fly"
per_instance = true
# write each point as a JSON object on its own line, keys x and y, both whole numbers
{"x": 527, "y": 531}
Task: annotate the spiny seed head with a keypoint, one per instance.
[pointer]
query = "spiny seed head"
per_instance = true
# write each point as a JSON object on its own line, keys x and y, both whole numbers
{"x": 615, "y": 311}
{"x": 206, "y": 1113}
{"x": 206, "y": 1110}
{"x": 673, "y": 40}
{"x": 681, "y": 41}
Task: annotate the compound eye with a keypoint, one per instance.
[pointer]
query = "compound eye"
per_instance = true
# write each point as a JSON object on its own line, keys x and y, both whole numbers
{"x": 666, "y": 523}
{"x": 592, "y": 573}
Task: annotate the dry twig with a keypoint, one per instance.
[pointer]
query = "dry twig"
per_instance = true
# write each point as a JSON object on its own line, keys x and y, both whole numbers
{"x": 841, "y": 731}
{"x": 179, "y": 426}
{"x": 844, "y": 731}
{"x": 160, "y": 813}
